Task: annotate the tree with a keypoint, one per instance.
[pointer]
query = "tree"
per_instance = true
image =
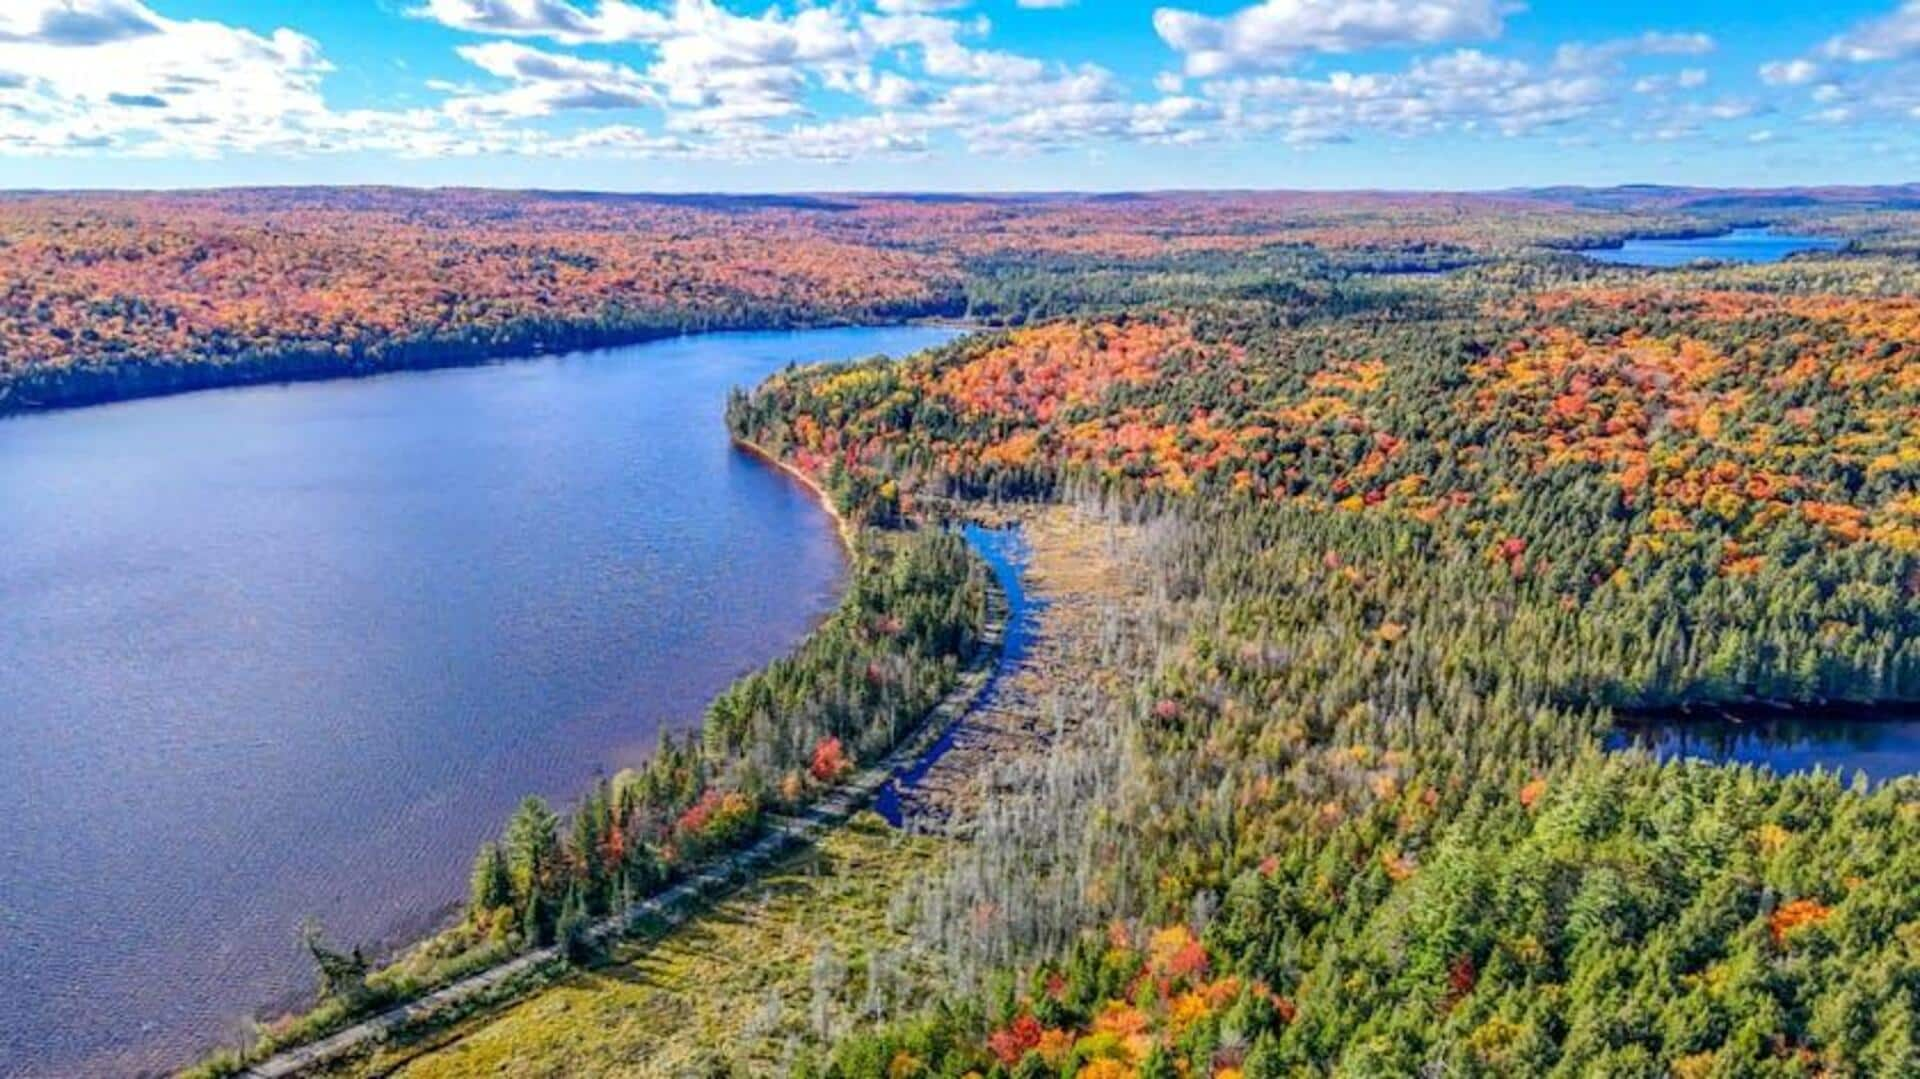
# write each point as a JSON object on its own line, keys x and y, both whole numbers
{"x": 570, "y": 929}
{"x": 532, "y": 847}
{"x": 536, "y": 921}
{"x": 490, "y": 887}
{"x": 342, "y": 975}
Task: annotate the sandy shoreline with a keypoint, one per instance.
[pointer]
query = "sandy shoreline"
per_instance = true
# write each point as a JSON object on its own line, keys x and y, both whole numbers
{"x": 826, "y": 501}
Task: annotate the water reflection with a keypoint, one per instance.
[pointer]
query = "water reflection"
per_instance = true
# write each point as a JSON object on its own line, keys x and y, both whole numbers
{"x": 1882, "y": 740}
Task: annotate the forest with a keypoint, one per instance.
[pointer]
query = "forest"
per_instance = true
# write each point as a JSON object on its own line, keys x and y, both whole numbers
{"x": 1426, "y": 502}
{"x": 1416, "y": 541}
{"x": 112, "y": 295}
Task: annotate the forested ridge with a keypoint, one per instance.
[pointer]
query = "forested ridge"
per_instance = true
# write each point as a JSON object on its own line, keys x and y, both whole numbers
{"x": 1413, "y": 542}
{"x": 112, "y": 295}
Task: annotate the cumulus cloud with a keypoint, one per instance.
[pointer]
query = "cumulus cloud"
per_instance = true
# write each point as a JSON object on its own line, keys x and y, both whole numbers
{"x": 545, "y": 82}
{"x": 1608, "y": 55}
{"x": 1275, "y": 33}
{"x": 546, "y": 18}
{"x": 1466, "y": 90}
{"x": 1869, "y": 72}
{"x": 834, "y": 80}
{"x": 114, "y": 73}
{"x": 1893, "y": 36}
{"x": 75, "y": 22}
{"x": 1789, "y": 72}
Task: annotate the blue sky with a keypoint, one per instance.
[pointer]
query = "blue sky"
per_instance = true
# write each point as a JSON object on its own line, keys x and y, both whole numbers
{"x": 956, "y": 94}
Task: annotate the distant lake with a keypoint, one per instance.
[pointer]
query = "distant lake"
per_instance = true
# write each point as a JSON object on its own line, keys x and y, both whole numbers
{"x": 1881, "y": 740}
{"x": 296, "y": 650}
{"x": 1739, "y": 245}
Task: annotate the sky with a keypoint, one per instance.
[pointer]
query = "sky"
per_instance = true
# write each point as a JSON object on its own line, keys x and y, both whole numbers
{"x": 957, "y": 95}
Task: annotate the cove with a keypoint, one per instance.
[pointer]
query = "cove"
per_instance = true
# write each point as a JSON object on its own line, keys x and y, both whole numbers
{"x": 295, "y": 650}
{"x": 1737, "y": 245}
{"x": 1880, "y": 740}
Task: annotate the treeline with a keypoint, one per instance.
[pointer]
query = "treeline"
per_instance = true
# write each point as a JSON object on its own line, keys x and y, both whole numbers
{"x": 220, "y": 361}
{"x": 772, "y": 742}
{"x": 120, "y": 294}
{"x": 1304, "y": 281}
{"x": 775, "y": 739}
{"x": 1355, "y": 817}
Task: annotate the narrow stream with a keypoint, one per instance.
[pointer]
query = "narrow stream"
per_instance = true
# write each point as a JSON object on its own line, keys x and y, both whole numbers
{"x": 1006, "y": 552}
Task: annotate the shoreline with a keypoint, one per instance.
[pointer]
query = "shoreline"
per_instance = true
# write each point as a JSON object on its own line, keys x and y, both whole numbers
{"x": 391, "y": 940}
{"x": 507, "y": 980}
{"x": 43, "y": 391}
{"x": 658, "y": 914}
{"x": 845, "y": 530}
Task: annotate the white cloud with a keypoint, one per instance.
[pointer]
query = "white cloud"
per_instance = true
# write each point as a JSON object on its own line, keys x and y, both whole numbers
{"x": 1893, "y": 36}
{"x": 116, "y": 74}
{"x": 544, "y": 83}
{"x": 1789, "y": 72}
{"x": 1608, "y": 55}
{"x": 548, "y": 18}
{"x": 1868, "y": 73}
{"x": 1464, "y": 91}
{"x": 833, "y": 80}
{"x": 1691, "y": 78}
{"x": 75, "y": 23}
{"x": 1275, "y": 33}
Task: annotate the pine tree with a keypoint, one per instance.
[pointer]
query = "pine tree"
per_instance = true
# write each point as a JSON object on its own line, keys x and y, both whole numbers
{"x": 536, "y": 924}
{"x": 532, "y": 846}
{"x": 570, "y": 929}
{"x": 343, "y": 975}
{"x": 490, "y": 887}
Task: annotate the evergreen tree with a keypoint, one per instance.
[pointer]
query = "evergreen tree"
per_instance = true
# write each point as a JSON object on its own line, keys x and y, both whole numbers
{"x": 532, "y": 847}
{"x": 490, "y": 886}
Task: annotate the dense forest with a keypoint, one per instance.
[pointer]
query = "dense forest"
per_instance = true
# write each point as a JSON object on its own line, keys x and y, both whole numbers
{"x": 1415, "y": 541}
{"x": 1426, "y": 501}
{"x": 108, "y": 295}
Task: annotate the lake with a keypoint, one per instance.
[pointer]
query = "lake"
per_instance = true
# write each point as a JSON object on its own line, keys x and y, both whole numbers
{"x": 1739, "y": 245}
{"x": 296, "y": 650}
{"x": 1881, "y": 740}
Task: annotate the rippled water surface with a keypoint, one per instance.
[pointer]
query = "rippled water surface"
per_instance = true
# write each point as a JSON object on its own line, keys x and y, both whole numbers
{"x": 282, "y": 651}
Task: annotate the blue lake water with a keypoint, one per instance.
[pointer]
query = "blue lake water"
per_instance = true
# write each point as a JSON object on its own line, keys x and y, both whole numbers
{"x": 1882, "y": 740}
{"x": 1739, "y": 245}
{"x": 295, "y": 650}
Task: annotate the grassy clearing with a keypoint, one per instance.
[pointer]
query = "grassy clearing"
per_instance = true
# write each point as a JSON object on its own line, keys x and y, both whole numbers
{"x": 803, "y": 952}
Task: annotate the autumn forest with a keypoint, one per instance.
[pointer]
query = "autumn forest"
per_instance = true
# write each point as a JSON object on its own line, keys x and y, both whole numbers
{"x": 1361, "y": 525}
